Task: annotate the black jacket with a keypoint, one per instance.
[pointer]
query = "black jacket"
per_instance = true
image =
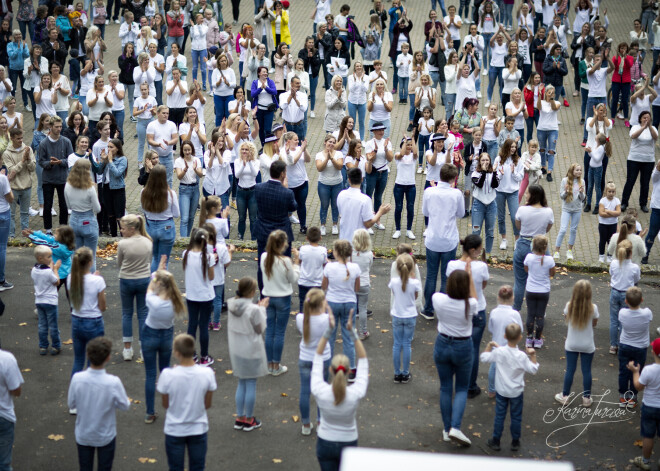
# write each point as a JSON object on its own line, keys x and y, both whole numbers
{"x": 126, "y": 66}
{"x": 71, "y": 135}
{"x": 137, "y": 8}
{"x": 343, "y": 53}
{"x": 554, "y": 76}
{"x": 5, "y": 38}
{"x": 78, "y": 41}
{"x": 588, "y": 42}
{"x": 314, "y": 62}
{"x": 143, "y": 177}
{"x": 53, "y": 55}
{"x": 326, "y": 43}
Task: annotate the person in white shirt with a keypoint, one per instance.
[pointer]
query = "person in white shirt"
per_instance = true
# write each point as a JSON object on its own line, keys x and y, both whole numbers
{"x": 379, "y": 154}
{"x": 379, "y": 104}
{"x": 329, "y": 164}
{"x": 198, "y": 46}
{"x": 246, "y": 169}
{"x": 177, "y": 92}
{"x": 46, "y": 279}
{"x": 355, "y": 207}
{"x": 193, "y": 130}
{"x": 224, "y": 81}
{"x": 45, "y": 96}
{"x": 654, "y": 223}
{"x": 294, "y": 104}
{"x": 442, "y": 204}
{"x": 358, "y": 87}
{"x": 641, "y": 160}
{"x": 96, "y": 395}
{"x": 404, "y": 186}
{"x": 187, "y": 392}
{"x": 129, "y": 31}
{"x": 540, "y": 268}
{"x": 403, "y": 63}
{"x": 510, "y": 171}
{"x": 11, "y": 388}
{"x": 624, "y": 274}
{"x": 512, "y": 364}
{"x": 188, "y": 169}
{"x": 313, "y": 258}
{"x": 161, "y": 137}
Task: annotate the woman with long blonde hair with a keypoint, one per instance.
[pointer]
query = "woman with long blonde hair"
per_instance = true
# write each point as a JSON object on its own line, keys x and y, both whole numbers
{"x": 246, "y": 169}
{"x": 572, "y": 194}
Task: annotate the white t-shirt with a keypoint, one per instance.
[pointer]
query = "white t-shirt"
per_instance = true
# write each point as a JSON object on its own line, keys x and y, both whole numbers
{"x": 361, "y": 164}
{"x": 190, "y": 176}
{"x": 198, "y": 288}
{"x": 5, "y": 189}
{"x": 534, "y": 221}
{"x": 341, "y": 281}
{"x": 538, "y": 272}
{"x": 581, "y": 340}
{"x": 520, "y": 117}
{"x": 186, "y": 387}
{"x": 147, "y": 104}
{"x": 479, "y": 276}
{"x": 426, "y": 124}
{"x": 597, "y": 83}
{"x": 158, "y": 60}
{"x": 364, "y": 260}
{"x": 184, "y": 129}
{"x": 624, "y": 275}
{"x": 117, "y": 104}
{"x": 635, "y": 326}
{"x": 642, "y": 149}
{"x": 45, "y": 281}
{"x": 433, "y": 171}
{"x": 499, "y": 319}
{"x": 223, "y": 259}
{"x": 498, "y": 53}
{"x": 11, "y": 380}
{"x": 650, "y": 378}
{"x": 354, "y": 209}
{"x": 380, "y": 162}
{"x": 296, "y": 173}
{"x": 548, "y": 117}
{"x": 378, "y": 112}
{"x": 404, "y": 302}
{"x": 330, "y": 175}
{"x": 510, "y": 80}
{"x": 402, "y": 63}
{"x": 162, "y": 132}
{"x": 641, "y": 104}
{"x": 176, "y": 99}
{"x": 161, "y": 312}
{"x": 92, "y": 286}
{"x": 465, "y": 88}
{"x": 610, "y": 205}
{"x": 62, "y": 100}
{"x": 100, "y": 106}
{"x": 451, "y": 315}
{"x": 317, "y": 327}
{"x": 405, "y": 169}
{"x": 312, "y": 260}
{"x": 45, "y": 106}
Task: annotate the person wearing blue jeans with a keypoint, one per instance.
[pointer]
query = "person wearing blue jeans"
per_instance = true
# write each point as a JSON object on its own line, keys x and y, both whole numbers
{"x": 105, "y": 454}
{"x": 358, "y": 113}
{"x": 453, "y": 360}
{"x": 277, "y": 317}
{"x": 83, "y": 329}
{"x": 305, "y": 368}
{"x": 523, "y": 248}
{"x": 595, "y": 175}
{"x": 571, "y": 366}
{"x": 502, "y": 200}
{"x": 441, "y": 3}
{"x": 22, "y": 203}
{"x": 342, "y": 313}
{"x": 188, "y": 202}
{"x": 163, "y": 235}
{"x": 403, "y": 329}
{"x": 654, "y": 223}
{"x": 483, "y": 215}
{"x": 5, "y": 218}
{"x": 175, "y": 449}
{"x": 48, "y": 324}
{"x": 328, "y": 195}
{"x": 494, "y": 73}
{"x": 132, "y": 290}
{"x": 617, "y": 302}
{"x": 548, "y": 145}
{"x": 141, "y": 128}
{"x": 86, "y": 229}
{"x": 409, "y": 192}
{"x": 246, "y": 202}
{"x": 435, "y": 261}
{"x": 156, "y": 351}
{"x": 626, "y": 354}
{"x": 501, "y": 405}
{"x": 478, "y": 326}
{"x": 300, "y": 194}
{"x": 7, "y": 437}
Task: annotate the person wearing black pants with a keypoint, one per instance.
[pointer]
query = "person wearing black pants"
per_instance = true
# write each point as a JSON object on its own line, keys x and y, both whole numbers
{"x": 114, "y": 202}
{"x": 115, "y": 16}
{"x": 641, "y": 160}
{"x": 235, "y": 9}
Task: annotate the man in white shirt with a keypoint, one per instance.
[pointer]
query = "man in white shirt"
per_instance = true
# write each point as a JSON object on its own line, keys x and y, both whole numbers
{"x": 95, "y": 395}
{"x": 294, "y": 105}
{"x": 10, "y": 387}
{"x": 355, "y": 208}
{"x": 161, "y": 136}
{"x": 442, "y": 204}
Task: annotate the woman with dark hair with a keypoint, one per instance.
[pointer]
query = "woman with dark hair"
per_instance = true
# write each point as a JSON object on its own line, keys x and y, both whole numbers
{"x": 113, "y": 167}
{"x": 312, "y": 65}
{"x": 224, "y": 82}
{"x": 534, "y": 218}
{"x": 554, "y": 70}
{"x": 264, "y": 99}
{"x": 641, "y": 160}
{"x": 114, "y": 130}
{"x": 338, "y": 67}
{"x": 75, "y": 127}
{"x": 531, "y": 92}
{"x": 283, "y": 65}
{"x": 401, "y": 35}
{"x": 622, "y": 63}
{"x": 127, "y": 63}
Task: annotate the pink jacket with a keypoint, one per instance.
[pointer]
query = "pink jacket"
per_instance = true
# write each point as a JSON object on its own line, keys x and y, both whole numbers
{"x": 279, "y": 70}
{"x": 213, "y": 34}
{"x": 174, "y": 25}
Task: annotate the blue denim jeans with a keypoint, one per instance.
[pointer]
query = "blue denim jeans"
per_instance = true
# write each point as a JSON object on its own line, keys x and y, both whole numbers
{"x": 22, "y": 25}
{"x": 21, "y": 200}
{"x": 305, "y": 368}
{"x": 156, "y": 351}
{"x": 376, "y": 184}
{"x": 572, "y": 219}
{"x": 120, "y": 115}
{"x": 217, "y": 301}
{"x": 502, "y": 200}
{"x": 277, "y": 318}
{"x": 423, "y": 145}
{"x": 388, "y": 127}
{"x": 358, "y": 113}
{"x": 313, "y": 84}
{"x": 453, "y": 360}
{"x": 342, "y": 311}
{"x": 86, "y": 229}
{"x": 265, "y": 120}
{"x": 246, "y": 396}
{"x": 198, "y": 61}
{"x": 188, "y": 201}
{"x": 5, "y": 218}
{"x": 450, "y": 103}
{"x": 403, "y": 88}
{"x": 654, "y": 228}
{"x": 175, "y": 448}
{"x": 617, "y": 302}
{"x": 328, "y": 195}
{"x": 523, "y": 248}
{"x": 409, "y": 192}
{"x": 141, "y": 127}
{"x": 571, "y": 367}
{"x": 300, "y": 194}
{"x": 246, "y": 202}
{"x": 6, "y": 443}
{"x": 221, "y": 107}
{"x": 547, "y": 146}
{"x": 83, "y": 329}
{"x": 130, "y": 290}
{"x": 478, "y": 326}
{"x": 435, "y": 261}
{"x": 403, "y": 329}
{"x": 494, "y": 73}
{"x": 159, "y": 91}
{"x": 484, "y": 215}
{"x": 105, "y": 454}
{"x": 501, "y": 405}
{"x": 491, "y": 148}
{"x": 48, "y": 324}
{"x": 595, "y": 176}
{"x": 329, "y": 453}
{"x": 627, "y": 354}
{"x": 168, "y": 162}
{"x": 163, "y": 235}
{"x": 435, "y": 78}
{"x": 530, "y": 123}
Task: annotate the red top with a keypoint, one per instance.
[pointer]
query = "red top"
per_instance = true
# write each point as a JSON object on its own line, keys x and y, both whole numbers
{"x": 529, "y": 98}
{"x": 627, "y": 64}
{"x": 174, "y": 26}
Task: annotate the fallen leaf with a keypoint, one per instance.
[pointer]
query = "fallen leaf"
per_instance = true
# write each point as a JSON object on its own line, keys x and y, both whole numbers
{"x": 228, "y": 372}
{"x": 55, "y": 438}
{"x": 235, "y": 280}
{"x": 277, "y": 460}
{"x": 22, "y": 324}
{"x": 285, "y": 395}
{"x": 384, "y": 331}
{"x": 638, "y": 443}
{"x": 68, "y": 342}
{"x": 295, "y": 418}
{"x": 26, "y": 370}
{"x": 476, "y": 434}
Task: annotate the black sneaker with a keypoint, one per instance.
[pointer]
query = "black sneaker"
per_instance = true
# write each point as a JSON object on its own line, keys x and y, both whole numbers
{"x": 645, "y": 260}
{"x": 595, "y": 211}
{"x": 55, "y": 351}
{"x": 5, "y": 285}
{"x": 624, "y": 206}
{"x": 544, "y": 170}
{"x": 428, "y": 317}
{"x": 472, "y": 393}
{"x": 410, "y": 127}
{"x": 239, "y": 424}
{"x": 303, "y": 229}
{"x": 405, "y": 379}
{"x": 251, "y": 424}
{"x": 494, "y": 444}
{"x": 549, "y": 177}
{"x": 581, "y": 121}
{"x": 515, "y": 445}
{"x": 587, "y": 208}
{"x": 397, "y": 379}
{"x": 370, "y": 313}
{"x": 351, "y": 375}
{"x": 644, "y": 208}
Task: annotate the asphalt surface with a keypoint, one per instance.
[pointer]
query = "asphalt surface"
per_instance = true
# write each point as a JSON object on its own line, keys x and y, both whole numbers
{"x": 393, "y": 416}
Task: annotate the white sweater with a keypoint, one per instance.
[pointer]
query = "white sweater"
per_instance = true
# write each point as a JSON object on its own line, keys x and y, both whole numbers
{"x": 283, "y": 278}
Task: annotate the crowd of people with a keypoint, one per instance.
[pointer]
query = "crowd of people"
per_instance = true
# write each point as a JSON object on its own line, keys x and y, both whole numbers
{"x": 474, "y": 161}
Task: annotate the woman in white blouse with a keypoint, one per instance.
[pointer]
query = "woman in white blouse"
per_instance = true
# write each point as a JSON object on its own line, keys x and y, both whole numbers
{"x": 511, "y": 76}
{"x": 45, "y": 97}
{"x": 379, "y": 104}
{"x": 62, "y": 105}
{"x": 547, "y": 129}
{"x": 177, "y": 93}
{"x": 335, "y": 103}
{"x": 510, "y": 171}
{"x": 216, "y": 162}
{"x": 599, "y": 123}
{"x": 466, "y": 82}
{"x": 295, "y": 157}
{"x": 329, "y": 163}
{"x": 358, "y": 86}
{"x": 246, "y": 168}
{"x": 145, "y": 73}
{"x": 188, "y": 170}
{"x": 192, "y": 130}
{"x": 451, "y": 75}
{"x": 641, "y": 160}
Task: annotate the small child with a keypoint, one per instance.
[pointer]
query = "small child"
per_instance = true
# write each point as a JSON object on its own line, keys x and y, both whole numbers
{"x": 405, "y": 290}
{"x": 532, "y": 167}
{"x": 509, "y": 133}
{"x": 400, "y": 250}
{"x": 246, "y": 324}
{"x": 377, "y": 73}
{"x": 371, "y": 51}
{"x": 457, "y": 157}
{"x": 46, "y": 279}
{"x": 96, "y": 395}
{"x": 79, "y": 12}
{"x": 511, "y": 366}
{"x": 313, "y": 258}
{"x": 633, "y": 346}
{"x": 638, "y": 226}
{"x": 425, "y": 127}
{"x": 540, "y": 268}
{"x": 364, "y": 257}
{"x": 187, "y": 391}
{"x": 649, "y": 380}
{"x": 624, "y": 275}
{"x": 500, "y": 317}
{"x": 595, "y": 174}
{"x": 609, "y": 210}
{"x": 222, "y": 253}
{"x": 99, "y": 15}
{"x": 403, "y": 62}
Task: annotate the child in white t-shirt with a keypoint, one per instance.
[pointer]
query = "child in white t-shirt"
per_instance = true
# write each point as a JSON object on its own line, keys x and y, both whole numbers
{"x": 313, "y": 258}
{"x": 624, "y": 274}
{"x": 609, "y": 210}
{"x": 403, "y": 62}
{"x": 425, "y": 127}
{"x": 540, "y": 268}
{"x": 222, "y": 254}
{"x": 364, "y": 257}
{"x": 46, "y": 278}
{"x": 377, "y": 73}
{"x": 595, "y": 175}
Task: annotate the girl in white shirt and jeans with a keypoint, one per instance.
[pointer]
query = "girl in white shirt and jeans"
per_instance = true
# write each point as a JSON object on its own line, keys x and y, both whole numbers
{"x": 404, "y": 185}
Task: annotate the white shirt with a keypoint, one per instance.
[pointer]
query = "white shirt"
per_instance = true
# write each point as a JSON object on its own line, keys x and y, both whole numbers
{"x": 442, "y": 205}
{"x": 147, "y": 104}
{"x": 650, "y": 378}
{"x": 223, "y": 89}
{"x": 355, "y": 208}
{"x": 498, "y": 52}
{"x": 45, "y": 282}
{"x": 292, "y": 112}
{"x": 378, "y": 111}
{"x": 100, "y": 106}
{"x": 62, "y": 100}
{"x": 117, "y": 104}
{"x": 186, "y": 387}
{"x": 190, "y": 177}
{"x": 358, "y": 89}
{"x": 296, "y": 173}
{"x": 161, "y": 312}
{"x": 149, "y": 77}
{"x": 373, "y": 75}
{"x": 246, "y": 172}
{"x": 198, "y": 37}
{"x": 426, "y": 124}
{"x": 172, "y": 210}
{"x": 510, "y": 80}
{"x": 161, "y": 132}
{"x": 451, "y": 316}
{"x": 548, "y": 117}
{"x": 538, "y": 272}
{"x": 479, "y": 276}
{"x": 96, "y": 395}
{"x": 404, "y": 305}
{"x": 512, "y": 364}
{"x": 655, "y": 194}
{"x": 317, "y": 326}
{"x": 177, "y": 99}
{"x": 534, "y": 221}
{"x": 223, "y": 258}
{"x": 500, "y": 318}
{"x": 216, "y": 180}
{"x": 641, "y": 104}
{"x": 92, "y": 286}
{"x": 509, "y": 180}
{"x": 341, "y": 281}
{"x": 433, "y": 171}
{"x": 596, "y": 157}
{"x": 581, "y": 340}
{"x": 364, "y": 260}
{"x": 597, "y": 83}
{"x": 405, "y": 169}
{"x": 624, "y": 275}
{"x": 181, "y": 61}
{"x": 198, "y": 288}
{"x": 222, "y": 230}
{"x": 45, "y": 105}
{"x": 642, "y": 149}
{"x": 403, "y": 62}
{"x": 184, "y": 129}
{"x": 312, "y": 260}
{"x": 10, "y": 380}
{"x": 380, "y": 163}
{"x": 593, "y": 131}
{"x": 635, "y": 326}
{"x": 157, "y": 60}
{"x": 234, "y": 105}
{"x": 520, "y": 117}
{"x": 5, "y": 189}
{"x": 611, "y": 206}
{"x": 129, "y": 33}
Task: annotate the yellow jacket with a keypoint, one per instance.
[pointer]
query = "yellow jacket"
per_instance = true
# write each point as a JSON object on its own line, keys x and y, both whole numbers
{"x": 285, "y": 33}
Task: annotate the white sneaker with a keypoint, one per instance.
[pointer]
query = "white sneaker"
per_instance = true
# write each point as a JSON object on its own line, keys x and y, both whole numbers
{"x": 420, "y": 169}
{"x": 658, "y": 330}
{"x": 445, "y": 436}
{"x": 609, "y": 259}
{"x": 424, "y": 234}
{"x": 307, "y": 430}
{"x": 41, "y": 212}
{"x": 601, "y": 259}
{"x": 335, "y": 230}
{"x": 479, "y": 94}
{"x": 487, "y": 104}
{"x": 117, "y": 22}
{"x": 73, "y": 411}
{"x": 410, "y": 235}
{"x": 503, "y": 244}
{"x": 484, "y": 73}
{"x": 569, "y": 255}
{"x": 322, "y": 230}
{"x": 271, "y": 70}
{"x": 396, "y": 234}
{"x": 370, "y": 231}
{"x": 107, "y": 22}
{"x": 425, "y": 171}
{"x": 53, "y": 212}
{"x": 458, "y": 436}
{"x": 378, "y": 225}
{"x": 558, "y": 123}
{"x": 294, "y": 219}
{"x": 28, "y": 107}
{"x": 312, "y": 114}
{"x": 128, "y": 354}
{"x": 33, "y": 212}
{"x": 69, "y": 211}
{"x": 556, "y": 256}
{"x": 619, "y": 115}
{"x": 560, "y": 398}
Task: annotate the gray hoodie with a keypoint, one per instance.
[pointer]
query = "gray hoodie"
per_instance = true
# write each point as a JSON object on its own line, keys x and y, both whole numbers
{"x": 245, "y": 325}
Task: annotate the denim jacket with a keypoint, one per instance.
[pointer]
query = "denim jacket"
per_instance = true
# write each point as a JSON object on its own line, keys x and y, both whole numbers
{"x": 17, "y": 55}
{"x": 116, "y": 169}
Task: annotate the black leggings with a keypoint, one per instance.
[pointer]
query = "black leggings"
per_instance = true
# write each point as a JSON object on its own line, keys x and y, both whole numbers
{"x": 115, "y": 206}
{"x": 235, "y": 8}
{"x": 605, "y": 232}
{"x": 66, "y": 290}
{"x": 199, "y": 313}
{"x": 536, "y": 304}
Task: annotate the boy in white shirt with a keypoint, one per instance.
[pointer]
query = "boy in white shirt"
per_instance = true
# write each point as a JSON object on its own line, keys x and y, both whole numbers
{"x": 403, "y": 62}
{"x": 512, "y": 364}
{"x": 313, "y": 258}
{"x": 95, "y": 396}
{"x": 187, "y": 392}
{"x": 45, "y": 277}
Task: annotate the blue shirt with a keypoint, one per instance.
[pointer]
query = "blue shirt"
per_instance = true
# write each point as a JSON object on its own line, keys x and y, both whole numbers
{"x": 17, "y": 55}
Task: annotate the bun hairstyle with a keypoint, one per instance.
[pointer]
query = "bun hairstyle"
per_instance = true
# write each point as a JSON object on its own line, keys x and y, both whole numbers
{"x": 198, "y": 240}
{"x": 471, "y": 242}
{"x": 505, "y": 293}
{"x": 314, "y": 302}
{"x": 339, "y": 369}
{"x": 247, "y": 286}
